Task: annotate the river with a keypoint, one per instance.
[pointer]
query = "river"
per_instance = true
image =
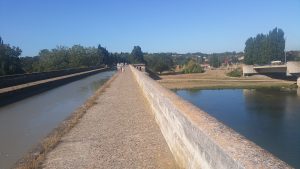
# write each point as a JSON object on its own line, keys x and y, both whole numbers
{"x": 268, "y": 117}
{"x": 23, "y": 124}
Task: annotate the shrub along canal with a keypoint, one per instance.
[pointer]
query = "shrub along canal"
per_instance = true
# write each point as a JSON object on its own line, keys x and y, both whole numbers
{"x": 23, "y": 124}
{"x": 268, "y": 117}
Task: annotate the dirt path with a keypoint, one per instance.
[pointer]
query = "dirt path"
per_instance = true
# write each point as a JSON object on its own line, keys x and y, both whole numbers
{"x": 117, "y": 132}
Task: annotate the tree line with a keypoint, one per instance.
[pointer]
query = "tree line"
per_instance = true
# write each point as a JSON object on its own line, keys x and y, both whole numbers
{"x": 79, "y": 56}
{"x": 62, "y": 57}
{"x": 261, "y": 49}
{"x": 76, "y": 56}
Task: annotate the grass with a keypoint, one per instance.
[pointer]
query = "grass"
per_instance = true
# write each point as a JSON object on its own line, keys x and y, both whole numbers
{"x": 35, "y": 158}
{"x": 218, "y": 79}
{"x": 279, "y": 86}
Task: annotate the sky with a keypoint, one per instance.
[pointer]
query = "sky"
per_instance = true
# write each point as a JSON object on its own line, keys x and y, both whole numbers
{"x": 156, "y": 25}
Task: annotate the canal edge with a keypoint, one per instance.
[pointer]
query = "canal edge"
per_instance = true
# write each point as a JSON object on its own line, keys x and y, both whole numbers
{"x": 36, "y": 156}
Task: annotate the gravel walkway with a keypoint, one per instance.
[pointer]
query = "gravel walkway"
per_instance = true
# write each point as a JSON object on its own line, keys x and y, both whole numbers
{"x": 118, "y": 132}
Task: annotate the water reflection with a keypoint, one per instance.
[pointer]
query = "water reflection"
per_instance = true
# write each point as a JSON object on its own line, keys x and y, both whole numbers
{"x": 265, "y": 102}
{"x": 268, "y": 117}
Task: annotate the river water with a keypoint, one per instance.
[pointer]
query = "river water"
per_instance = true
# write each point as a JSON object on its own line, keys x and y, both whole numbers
{"x": 268, "y": 117}
{"x": 23, "y": 124}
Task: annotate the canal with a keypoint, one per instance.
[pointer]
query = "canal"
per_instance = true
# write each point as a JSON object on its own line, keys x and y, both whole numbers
{"x": 23, "y": 124}
{"x": 268, "y": 117}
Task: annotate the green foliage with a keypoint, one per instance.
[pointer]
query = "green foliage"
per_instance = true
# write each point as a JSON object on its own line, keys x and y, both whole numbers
{"x": 263, "y": 49}
{"x": 192, "y": 67}
{"x": 120, "y": 57}
{"x": 58, "y": 58}
{"x": 104, "y": 55}
{"x": 159, "y": 62}
{"x": 55, "y": 59}
{"x": 137, "y": 55}
{"x": 9, "y": 59}
{"x": 75, "y": 57}
{"x": 28, "y": 63}
{"x": 235, "y": 73}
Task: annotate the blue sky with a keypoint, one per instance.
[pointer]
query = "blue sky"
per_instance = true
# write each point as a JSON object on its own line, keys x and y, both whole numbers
{"x": 156, "y": 25}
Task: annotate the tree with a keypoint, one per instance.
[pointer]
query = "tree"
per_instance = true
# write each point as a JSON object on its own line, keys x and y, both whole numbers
{"x": 56, "y": 59}
{"x": 137, "y": 55}
{"x": 263, "y": 49}
{"x": 29, "y": 63}
{"x": 192, "y": 67}
{"x": 92, "y": 57}
{"x": 159, "y": 62}
{"x": 9, "y": 59}
{"x": 103, "y": 53}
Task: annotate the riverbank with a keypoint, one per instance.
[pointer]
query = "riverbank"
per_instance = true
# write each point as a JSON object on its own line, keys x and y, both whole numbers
{"x": 217, "y": 79}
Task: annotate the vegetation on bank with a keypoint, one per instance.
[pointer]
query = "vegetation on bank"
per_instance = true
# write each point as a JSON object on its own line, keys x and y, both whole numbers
{"x": 159, "y": 62}
{"x": 192, "y": 67}
{"x": 235, "y": 73}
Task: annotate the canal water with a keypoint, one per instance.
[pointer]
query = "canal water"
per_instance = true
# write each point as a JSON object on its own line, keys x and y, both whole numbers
{"x": 268, "y": 117}
{"x": 23, "y": 124}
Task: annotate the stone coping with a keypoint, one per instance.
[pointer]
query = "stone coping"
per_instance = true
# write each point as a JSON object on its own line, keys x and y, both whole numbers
{"x": 204, "y": 141}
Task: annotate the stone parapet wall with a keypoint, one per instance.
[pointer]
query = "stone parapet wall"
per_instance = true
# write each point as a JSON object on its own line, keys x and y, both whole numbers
{"x": 196, "y": 139}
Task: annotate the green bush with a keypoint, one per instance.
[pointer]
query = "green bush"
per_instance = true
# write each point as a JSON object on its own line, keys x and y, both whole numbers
{"x": 192, "y": 67}
{"x": 235, "y": 73}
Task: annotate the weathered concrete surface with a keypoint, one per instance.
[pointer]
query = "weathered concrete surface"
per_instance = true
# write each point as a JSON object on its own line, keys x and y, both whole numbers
{"x": 290, "y": 68}
{"x": 271, "y": 69}
{"x": 118, "y": 132}
{"x": 293, "y": 67}
{"x": 196, "y": 139}
{"x": 249, "y": 70}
